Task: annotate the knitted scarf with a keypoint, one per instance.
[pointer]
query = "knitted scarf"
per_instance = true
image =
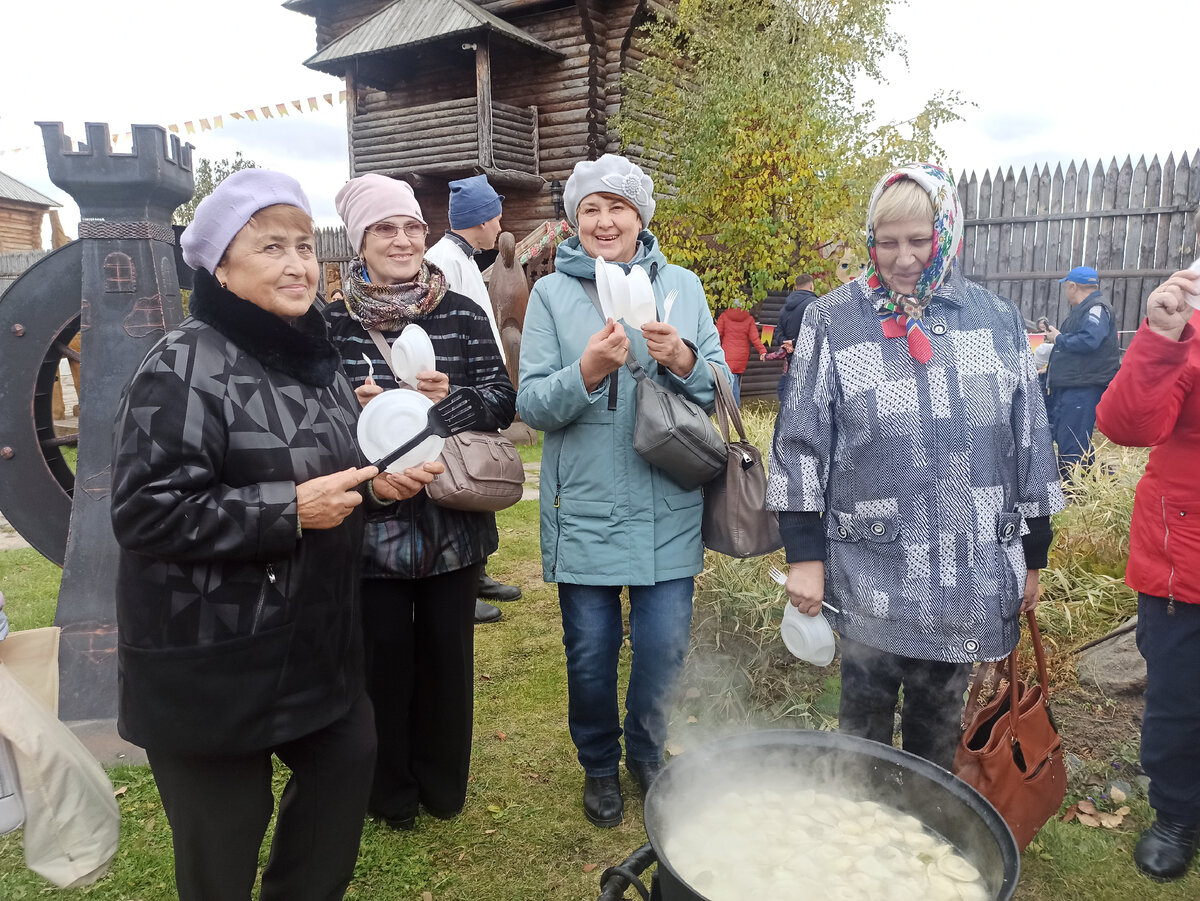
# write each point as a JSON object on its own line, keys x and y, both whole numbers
{"x": 390, "y": 307}
{"x": 901, "y": 314}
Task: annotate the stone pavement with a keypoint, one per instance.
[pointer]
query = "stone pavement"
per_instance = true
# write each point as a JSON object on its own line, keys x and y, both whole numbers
{"x": 533, "y": 479}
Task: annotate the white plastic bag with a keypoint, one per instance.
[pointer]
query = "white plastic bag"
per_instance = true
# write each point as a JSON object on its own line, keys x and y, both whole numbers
{"x": 72, "y": 821}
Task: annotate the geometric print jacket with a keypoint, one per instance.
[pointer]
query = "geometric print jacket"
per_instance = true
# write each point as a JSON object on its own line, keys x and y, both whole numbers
{"x": 235, "y": 632}
{"x": 924, "y": 473}
{"x": 415, "y": 538}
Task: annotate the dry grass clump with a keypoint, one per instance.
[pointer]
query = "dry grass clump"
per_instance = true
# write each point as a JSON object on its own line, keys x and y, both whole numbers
{"x": 742, "y": 670}
{"x": 738, "y": 670}
{"x": 1083, "y": 596}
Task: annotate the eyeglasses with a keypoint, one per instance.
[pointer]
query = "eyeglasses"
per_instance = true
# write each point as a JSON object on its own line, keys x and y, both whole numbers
{"x": 387, "y": 230}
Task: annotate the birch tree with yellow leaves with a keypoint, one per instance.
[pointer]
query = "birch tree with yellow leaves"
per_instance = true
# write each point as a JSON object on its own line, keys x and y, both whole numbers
{"x": 748, "y": 113}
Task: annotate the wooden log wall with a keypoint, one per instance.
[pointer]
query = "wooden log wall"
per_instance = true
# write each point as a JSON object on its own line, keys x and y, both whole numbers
{"x": 574, "y": 96}
{"x": 1133, "y": 224}
{"x": 20, "y": 226}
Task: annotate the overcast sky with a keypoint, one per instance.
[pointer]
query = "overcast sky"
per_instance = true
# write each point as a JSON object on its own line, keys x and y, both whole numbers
{"x": 1050, "y": 80}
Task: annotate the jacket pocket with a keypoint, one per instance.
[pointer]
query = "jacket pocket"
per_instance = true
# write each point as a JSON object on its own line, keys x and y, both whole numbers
{"x": 684, "y": 500}
{"x": 854, "y": 527}
{"x": 866, "y": 565}
{"x": 205, "y": 699}
{"x": 1010, "y": 563}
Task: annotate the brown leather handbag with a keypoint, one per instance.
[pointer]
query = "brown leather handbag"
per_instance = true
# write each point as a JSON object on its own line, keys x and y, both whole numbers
{"x": 1011, "y": 751}
{"x": 736, "y": 521}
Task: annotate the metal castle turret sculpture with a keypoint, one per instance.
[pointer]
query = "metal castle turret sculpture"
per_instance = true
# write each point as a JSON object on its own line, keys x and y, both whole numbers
{"x": 129, "y": 297}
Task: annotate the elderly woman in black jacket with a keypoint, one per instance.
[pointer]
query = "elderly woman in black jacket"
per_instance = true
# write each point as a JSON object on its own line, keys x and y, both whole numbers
{"x": 423, "y": 562}
{"x": 235, "y": 500}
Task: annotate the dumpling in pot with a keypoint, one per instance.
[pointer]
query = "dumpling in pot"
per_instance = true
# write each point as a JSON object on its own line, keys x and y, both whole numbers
{"x": 958, "y": 869}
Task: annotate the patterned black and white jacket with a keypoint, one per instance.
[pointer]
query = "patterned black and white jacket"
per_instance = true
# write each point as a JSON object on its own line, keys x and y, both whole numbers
{"x": 236, "y": 633}
{"x": 927, "y": 475}
{"x": 416, "y": 538}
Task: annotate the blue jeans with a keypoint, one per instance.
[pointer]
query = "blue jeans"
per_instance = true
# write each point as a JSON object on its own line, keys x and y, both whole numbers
{"x": 1074, "y": 418}
{"x": 660, "y": 621}
{"x": 735, "y": 382}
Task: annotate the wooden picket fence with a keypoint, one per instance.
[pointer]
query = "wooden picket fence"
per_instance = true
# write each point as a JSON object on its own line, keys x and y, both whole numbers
{"x": 1133, "y": 224}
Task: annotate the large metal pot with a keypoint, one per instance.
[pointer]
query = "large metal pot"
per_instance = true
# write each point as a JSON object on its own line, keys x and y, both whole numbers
{"x": 882, "y": 773}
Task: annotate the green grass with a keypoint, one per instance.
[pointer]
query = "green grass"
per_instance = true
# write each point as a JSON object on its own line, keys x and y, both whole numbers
{"x": 522, "y": 836}
{"x": 30, "y": 585}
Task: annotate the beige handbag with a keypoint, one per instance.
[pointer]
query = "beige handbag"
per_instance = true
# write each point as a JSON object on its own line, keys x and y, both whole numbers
{"x": 483, "y": 473}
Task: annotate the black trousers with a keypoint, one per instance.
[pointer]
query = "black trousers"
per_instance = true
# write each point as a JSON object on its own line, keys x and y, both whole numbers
{"x": 420, "y": 639}
{"x": 933, "y": 700}
{"x": 219, "y": 807}
{"x": 1168, "y": 635}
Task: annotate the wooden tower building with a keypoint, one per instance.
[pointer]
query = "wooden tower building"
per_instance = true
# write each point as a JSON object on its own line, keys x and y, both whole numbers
{"x": 442, "y": 89}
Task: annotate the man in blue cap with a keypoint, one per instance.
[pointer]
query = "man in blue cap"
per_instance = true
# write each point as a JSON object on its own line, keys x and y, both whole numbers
{"x": 475, "y": 210}
{"x": 1085, "y": 358}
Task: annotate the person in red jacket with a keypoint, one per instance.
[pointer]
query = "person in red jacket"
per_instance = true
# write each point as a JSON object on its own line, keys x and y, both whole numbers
{"x": 1154, "y": 401}
{"x": 738, "y": 331}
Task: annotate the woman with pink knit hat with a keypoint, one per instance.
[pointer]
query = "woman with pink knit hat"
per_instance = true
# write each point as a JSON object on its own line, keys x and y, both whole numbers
{"x": 422, "y": 562}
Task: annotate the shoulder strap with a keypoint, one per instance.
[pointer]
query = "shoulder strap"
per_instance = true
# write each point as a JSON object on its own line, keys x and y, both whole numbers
{"x": 727, "y": 411}
{"x": 384, "y": 348}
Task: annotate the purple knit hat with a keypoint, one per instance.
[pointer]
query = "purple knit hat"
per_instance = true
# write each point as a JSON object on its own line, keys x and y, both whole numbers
{"x": 221, "y": 215}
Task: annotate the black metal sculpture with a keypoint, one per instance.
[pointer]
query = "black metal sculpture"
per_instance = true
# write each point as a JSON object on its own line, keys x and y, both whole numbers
{"x": 119, "y": 286}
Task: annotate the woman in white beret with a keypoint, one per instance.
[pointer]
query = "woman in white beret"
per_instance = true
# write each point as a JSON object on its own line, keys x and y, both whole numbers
{"x": 608, "y": 518}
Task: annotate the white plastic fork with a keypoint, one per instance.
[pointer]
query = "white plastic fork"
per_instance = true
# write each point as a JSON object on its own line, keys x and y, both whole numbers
{"x": 669, "y": 302}
{"x": 780, "y": 578}
{"x": 370, "y": 366}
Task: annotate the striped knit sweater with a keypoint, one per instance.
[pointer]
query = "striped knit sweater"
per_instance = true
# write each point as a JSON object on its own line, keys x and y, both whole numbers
{"x": 417, "y": 538}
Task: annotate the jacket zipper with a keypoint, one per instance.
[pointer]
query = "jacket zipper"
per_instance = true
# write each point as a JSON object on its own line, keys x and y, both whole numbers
{"x": 1170, "y": 562}
{"x": 262, "y": 599}
{"x": 557, "y": 531}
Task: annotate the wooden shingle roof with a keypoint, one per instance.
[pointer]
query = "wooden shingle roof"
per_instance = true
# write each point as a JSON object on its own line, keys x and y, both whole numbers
{"x": 11, "y": 189}
{"x": 407, "y": 23}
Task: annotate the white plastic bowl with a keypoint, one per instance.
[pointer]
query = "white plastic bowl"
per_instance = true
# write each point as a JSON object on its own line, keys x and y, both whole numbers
{"x": 808, "y": 637}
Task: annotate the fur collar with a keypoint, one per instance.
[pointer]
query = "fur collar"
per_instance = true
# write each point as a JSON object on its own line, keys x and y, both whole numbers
{"x": 302, "y": 351}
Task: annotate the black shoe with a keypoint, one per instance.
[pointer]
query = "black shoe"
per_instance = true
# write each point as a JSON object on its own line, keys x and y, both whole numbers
{"x": 486, "y": 613}
{"x": 645, "y": 772}
{"x": 404, "y": 820}
{"x": 602, "y": 801}
{"x": 492, "y": 590}
{"x": 1165, "y": 850}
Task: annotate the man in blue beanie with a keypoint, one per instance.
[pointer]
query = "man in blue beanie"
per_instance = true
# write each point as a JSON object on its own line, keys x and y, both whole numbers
{"x": 475, "y": 210}
{"x": 1085, "y": 358}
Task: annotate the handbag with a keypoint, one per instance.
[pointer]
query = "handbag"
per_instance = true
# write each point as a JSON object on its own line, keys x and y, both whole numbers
{"x": 670, "y": 432}
{"x": 736, "y": 521}
{"x": 483, "y": 473}
{"x": 1011, "y": 752}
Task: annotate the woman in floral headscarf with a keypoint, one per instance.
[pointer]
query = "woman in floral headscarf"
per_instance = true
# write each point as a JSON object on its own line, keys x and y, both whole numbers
{"x": 914, "y": 424}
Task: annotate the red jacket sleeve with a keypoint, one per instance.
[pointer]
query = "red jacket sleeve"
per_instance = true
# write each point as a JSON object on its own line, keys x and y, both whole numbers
{"x": 1141, "y": 405}
{"x": 752, "y": 334}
